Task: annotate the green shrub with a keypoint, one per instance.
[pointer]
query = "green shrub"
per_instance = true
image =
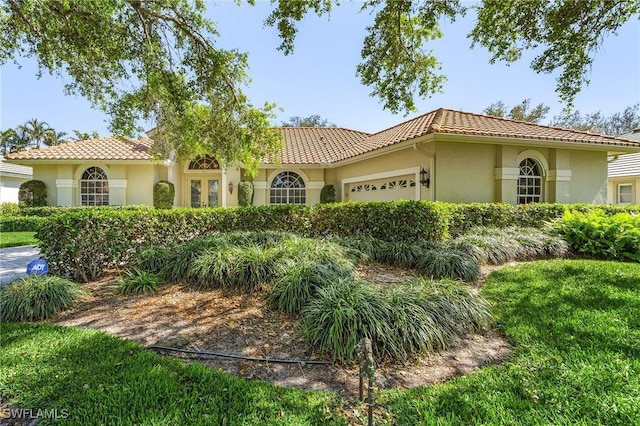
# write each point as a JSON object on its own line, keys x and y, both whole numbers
{"x": 83, "y": 242}
{"x": 600, "y": 236}
{"x": 443, "y": 262}
{"x": 37, "y": 298}
{"x": 163, "y": 194}
{"x": 328, "y": 194}
{"x": 138, "y": 281}
{"x": 245, "y": 193}
{"x": 32, "y": 193}
{"x": 21, "y": 223}
{"x": 9, "y": 209}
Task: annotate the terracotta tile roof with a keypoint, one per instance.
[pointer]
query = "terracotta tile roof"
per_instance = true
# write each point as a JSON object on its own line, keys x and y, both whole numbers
{"x": 106, "y": 148}
{"x": 324, "y": 145}
{"x": 327, "y": 145}
{"x": 318, "y": 145}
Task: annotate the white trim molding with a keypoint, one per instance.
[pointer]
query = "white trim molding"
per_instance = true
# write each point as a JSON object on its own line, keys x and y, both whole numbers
{"x": 318, "y": 184}
{"x": 382, "y": 175}
{"x": 559, "y": 175}
{"x": 66, "y": 183}
{"x": 117, "y": 183}
{"x": 259, "y": 184}
{"x": 506, "y": 173}
{"x": 536, "y": 155}
{"x": 299, "y": 172}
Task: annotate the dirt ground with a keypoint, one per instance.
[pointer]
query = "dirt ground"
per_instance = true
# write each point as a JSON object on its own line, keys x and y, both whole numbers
{"x": 241, "y": 324}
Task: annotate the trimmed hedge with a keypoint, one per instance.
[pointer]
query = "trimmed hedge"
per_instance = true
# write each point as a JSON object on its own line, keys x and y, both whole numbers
{"x": 245, "y": 193}
{"x": 163, "y": 194}
{"x": 21, "y": 223}
{"x": 83, "y": 242}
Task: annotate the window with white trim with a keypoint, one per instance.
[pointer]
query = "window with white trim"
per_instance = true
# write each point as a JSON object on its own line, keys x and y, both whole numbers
{"x": 204, "y": 163}
{"x": 625, "y": 193}
{"x": 288, "y": 188}
{"x": 94, "y": 187}
{"x": 529, "y": 182}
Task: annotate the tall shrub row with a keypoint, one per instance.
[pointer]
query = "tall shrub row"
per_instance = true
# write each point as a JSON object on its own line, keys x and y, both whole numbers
{"x": 82, "y": 242}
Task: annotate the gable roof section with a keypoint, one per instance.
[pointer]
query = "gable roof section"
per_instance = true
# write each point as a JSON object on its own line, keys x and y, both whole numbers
{"x": 297, "y": 150}
{"x": 327, "y": 145}
{"x": 318, "y": 145}
{"x": 16, "y": 170}
{"x": 100, "y": 149}
{"x": 626, "y": 165}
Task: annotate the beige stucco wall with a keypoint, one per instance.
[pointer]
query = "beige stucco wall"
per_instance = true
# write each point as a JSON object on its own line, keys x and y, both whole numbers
{"x": 464, "y": 173}
{"x": 389, "y": 163}
{"x": 588, "y": 177}
{"x": 48, "y": 174}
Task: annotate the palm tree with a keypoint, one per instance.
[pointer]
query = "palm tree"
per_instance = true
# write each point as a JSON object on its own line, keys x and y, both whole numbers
{"x": 35, "y": 131}
{"x": 54, "y": 138}
{"x": 82, "y": 136}
{"x": 13, "y": 141}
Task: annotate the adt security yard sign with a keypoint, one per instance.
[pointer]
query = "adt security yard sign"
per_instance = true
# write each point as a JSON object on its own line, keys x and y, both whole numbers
{"x": 37, "y": 267}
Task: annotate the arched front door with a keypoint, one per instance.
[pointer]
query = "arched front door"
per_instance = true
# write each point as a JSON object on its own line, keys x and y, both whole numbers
{"x": 204, "y": 179}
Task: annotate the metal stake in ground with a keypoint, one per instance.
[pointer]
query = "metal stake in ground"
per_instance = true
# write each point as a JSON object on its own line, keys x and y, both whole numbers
{"x": 367, "y": 369}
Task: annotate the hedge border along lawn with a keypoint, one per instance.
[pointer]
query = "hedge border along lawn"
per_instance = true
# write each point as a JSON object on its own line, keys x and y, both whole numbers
{"x": 111, "y": 235}
{"x": 576, "y": 332}
{"x": 95, "y": 378}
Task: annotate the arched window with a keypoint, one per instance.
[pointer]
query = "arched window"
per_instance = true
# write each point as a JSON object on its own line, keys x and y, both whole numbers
{"x": 288, "y": 188}
{"x": 204, "y": 163}
{"x": 529, "y": 182}
{"x": 94, "y": 187}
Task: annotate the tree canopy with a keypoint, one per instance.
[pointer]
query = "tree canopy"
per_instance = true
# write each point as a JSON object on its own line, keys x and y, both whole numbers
{"x": 309, "y": 121}
{"x": 522, "y": 111}
{"x": 613, "y": 125}
{"x": 156, "y": 60}
{"x": 398, "y": 65}
{"x": 143, "y": 60}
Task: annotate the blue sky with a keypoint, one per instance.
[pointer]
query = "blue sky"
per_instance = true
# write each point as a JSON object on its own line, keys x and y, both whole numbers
{"x": 319, "y": 77}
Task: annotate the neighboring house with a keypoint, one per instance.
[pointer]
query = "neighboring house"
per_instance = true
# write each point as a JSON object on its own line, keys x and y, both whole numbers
{"x": 624, "y": 175}
{"x": 11, "y": 177}
{"x": 443, "y": 155}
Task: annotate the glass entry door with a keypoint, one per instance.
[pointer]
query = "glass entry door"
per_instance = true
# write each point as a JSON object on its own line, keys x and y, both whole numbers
{"x": 204, "y": 192}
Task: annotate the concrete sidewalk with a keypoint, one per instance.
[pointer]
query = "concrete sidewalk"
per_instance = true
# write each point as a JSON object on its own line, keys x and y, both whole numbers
{"x": 14, "y": 261}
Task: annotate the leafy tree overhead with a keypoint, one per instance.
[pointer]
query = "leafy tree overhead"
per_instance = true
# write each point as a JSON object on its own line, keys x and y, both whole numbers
{"x": 146, "y": 60}
{"x": 614, "y": 125}
{"x": 310, "y": 121}
{"x": 398, "y": 65}
{"x": 520, "y": 112}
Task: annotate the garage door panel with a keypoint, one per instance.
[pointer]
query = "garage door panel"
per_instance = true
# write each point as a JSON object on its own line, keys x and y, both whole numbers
{"x": 388, "y": 189}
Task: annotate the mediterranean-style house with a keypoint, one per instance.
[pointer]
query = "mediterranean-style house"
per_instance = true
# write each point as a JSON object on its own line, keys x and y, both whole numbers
{"x": 444, "y": 155}
{"x": 624, "y": 175}
{"x": 11, "y": 177}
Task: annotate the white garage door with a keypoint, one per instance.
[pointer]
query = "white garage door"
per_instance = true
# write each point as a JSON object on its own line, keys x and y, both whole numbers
{"x": 387, "y": 189}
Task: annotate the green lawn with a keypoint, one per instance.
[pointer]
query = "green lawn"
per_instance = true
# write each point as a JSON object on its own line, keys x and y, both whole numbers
{"x": 13, "y": 239}
{"x": 576, "y": 329}
{"x": 575, "y": 326}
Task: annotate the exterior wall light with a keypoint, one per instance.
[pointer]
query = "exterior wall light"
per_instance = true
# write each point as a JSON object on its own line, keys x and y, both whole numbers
{"x": 230, "y": 187}
{"x": 424, "y": 177}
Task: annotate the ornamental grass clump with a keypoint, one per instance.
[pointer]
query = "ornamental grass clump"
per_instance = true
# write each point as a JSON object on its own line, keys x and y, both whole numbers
{"x": 444, "y": 262}
{"x": 37, "y": 298}
{"x": 298, "y": 281}
{"x": 402, "y": 321}
{"x": 139, "y": 281}
{"x": 343, "y": 313}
